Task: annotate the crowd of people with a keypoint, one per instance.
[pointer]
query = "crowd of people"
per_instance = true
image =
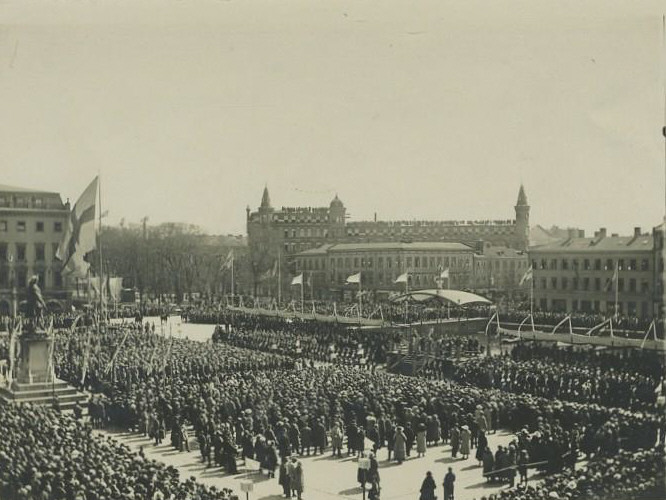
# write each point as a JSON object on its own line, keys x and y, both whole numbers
{"x": 256, "y": 394}
{"x": 50, "y": 456}
{"x": 563, "y": 381}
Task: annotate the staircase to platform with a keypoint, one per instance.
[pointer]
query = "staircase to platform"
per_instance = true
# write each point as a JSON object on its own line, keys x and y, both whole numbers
{"x": 44, "y": 393}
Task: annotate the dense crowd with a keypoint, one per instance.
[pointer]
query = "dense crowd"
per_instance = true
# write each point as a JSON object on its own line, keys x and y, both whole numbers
{"x": 566, "y": 381}
{"x": 582, "y": 320}
{"x": 49, "y": 456}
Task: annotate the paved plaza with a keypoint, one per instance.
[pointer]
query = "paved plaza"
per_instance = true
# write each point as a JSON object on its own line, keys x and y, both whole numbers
{"x": 327, "y": 477}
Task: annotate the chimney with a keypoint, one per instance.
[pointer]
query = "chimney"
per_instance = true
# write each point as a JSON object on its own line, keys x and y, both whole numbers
{"x": 581, "y": 233}
{"x": 572, "y": 233}
{"x": 602, "y": 232}
{"x": 637, "y": 232}
{"x": 375, "y": 216}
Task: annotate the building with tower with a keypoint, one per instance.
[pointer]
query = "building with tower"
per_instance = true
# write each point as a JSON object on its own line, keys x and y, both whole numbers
{"x": 277, "y": 235}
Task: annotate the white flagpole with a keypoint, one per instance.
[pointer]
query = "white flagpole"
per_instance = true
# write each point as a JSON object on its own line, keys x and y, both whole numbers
{"x": 617, "y": 279}
{"x": 232, "y": 275}
{"x": 360, "y": 303}
{"x": 301, "y": 294}
{"x": 99, "y": 250}
{"x": 279, "y": 278}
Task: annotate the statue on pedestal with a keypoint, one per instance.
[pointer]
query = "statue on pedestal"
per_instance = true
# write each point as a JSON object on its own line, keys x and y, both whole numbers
{"x": 35, "y": 306}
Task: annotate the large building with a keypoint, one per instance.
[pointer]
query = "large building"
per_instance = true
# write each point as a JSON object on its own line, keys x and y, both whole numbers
{"x": 32, "y": 223}
{"x": 280, "y": 234}
{"x": 579, "y": 274}
{"x": 327, "y": 267}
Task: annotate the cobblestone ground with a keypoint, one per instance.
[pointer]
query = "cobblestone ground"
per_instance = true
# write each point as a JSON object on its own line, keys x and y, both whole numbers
{"x": 327, "y": 477}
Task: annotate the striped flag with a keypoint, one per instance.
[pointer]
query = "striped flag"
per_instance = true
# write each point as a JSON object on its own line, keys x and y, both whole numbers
{"x": 297, "y": 280}
{"x": 611, "y": 280}
{"x": 79, "y": 238}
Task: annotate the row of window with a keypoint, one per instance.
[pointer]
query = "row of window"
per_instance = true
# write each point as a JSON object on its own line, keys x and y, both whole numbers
{"x": 381, "y": 278}
{"x": 20, "y": 253}
{"x": 21, "y": 275}
{"x": 21, "y": 226}
{"x": 386, "y": 262}
{"x": 588, "y": 284}
{"x": 592, "y": 264}
{"x": 22, "y": 202}
{"x": 594, "y": 306}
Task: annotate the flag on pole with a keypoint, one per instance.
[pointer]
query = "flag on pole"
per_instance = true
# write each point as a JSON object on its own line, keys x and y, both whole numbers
{"x": 444, "y": 273}
{"x": 403, "y": 278}
{"x": 228, "y": 262}
{"x": 354, "y": 278}
{"x": 271, "y": 273}
{"x": 527, "y": 276}
{"x": 79, "y": 238}
{"x": 609, "y": 283}
{"x": 297, "y": 280}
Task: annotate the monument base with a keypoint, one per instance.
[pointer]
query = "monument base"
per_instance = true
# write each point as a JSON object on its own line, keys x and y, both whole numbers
{"x": 35, "y": 363}
{"x": 42, "y": 393}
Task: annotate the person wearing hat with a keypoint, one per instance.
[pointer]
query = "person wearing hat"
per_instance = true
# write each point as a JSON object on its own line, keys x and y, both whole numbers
{"x": 455, "y": 440}
{"x": 296, "y": 478}
{"x": 421, "y": 440}
{"x": 399, "y": 445}
{"x": 465, "y": 437}
{"x": 284, "y": 479}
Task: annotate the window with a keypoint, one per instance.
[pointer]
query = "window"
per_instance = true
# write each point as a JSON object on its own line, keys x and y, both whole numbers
{"x": 553, "y": 283}
{"x": 21, "y": 276}
{"x": 380, "y": 262}
{"x": 620, "y": 264}
{"x": 574, "y": 284}
{"x": 39, "y": 226}
{"x": 597, "y": 284}
{"x": 39, "y": 252}
{"x": 565, "y": 283}
{"x": 645, "y": 265}
{"x": 356, "y": 262}
{"x": 597, "y": 264}
{"x": 565, "y": 264}
{"x": 3, "y": 226}
{"x": 620, "y": 284}
{"x": 3, "y": 252}
{"x": 645, "y": 286}
{"x": 586, "y": 264}
{"x": 409, "y": 262}
{"x": 339, "y": 261}
{"x": 586, "y": 284}
{"x": 610, "y": 265}
{"x": 544, "y": 283}
{"x": 632, "y": 265}
{"x": 553, "y": 264}
{"x": 20, "y": 226}
{"x": 332, "y": 263}
{"x": 38, "y": 203}
{"x": 417, "y": 261}
{"x": 632, "y": 285}
{"x": 20, "y": 252}
{"x": 4, "y": 277}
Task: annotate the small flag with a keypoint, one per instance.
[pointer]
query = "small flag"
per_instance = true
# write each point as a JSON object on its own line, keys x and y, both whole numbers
{"x": 354, "y": 278}
{"x": 229, "y": 261}
{"x": 527, "y": 276}
{"x": 400, "y": 279}
{"x": 609, "y": 283}
{"x": 297, "y": 280}
{"x": 444, "y": 273}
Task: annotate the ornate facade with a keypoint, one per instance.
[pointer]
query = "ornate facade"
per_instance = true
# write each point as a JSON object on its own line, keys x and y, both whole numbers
{"x": 278, "y": 234}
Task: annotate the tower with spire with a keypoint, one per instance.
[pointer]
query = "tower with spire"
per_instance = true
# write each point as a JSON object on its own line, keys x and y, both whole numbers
{"x": 522, "y": 228}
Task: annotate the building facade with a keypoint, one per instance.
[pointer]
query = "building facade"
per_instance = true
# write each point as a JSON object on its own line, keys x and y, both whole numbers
{"x": 32, "y": 224}
{"x": 498, "y": 272}
{"x": 326, "y": 268}
{"x": 579, "y": 274}
{"x": 281, "y": 234}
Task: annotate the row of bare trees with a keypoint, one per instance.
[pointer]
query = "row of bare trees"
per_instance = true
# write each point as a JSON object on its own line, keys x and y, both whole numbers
{"x": 173, "y": 259}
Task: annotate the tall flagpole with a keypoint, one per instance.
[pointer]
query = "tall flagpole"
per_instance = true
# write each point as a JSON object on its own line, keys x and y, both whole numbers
{"x": 302, "y": 294}
{"x": 617, "y": 279}
{"x": 360, "y": 302}
{"x": 232, "y": 276}
{"x": 279, "y": 279}
{"x": 101, "y": 274}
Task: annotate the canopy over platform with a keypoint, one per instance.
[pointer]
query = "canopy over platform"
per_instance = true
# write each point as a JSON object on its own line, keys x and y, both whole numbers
{"x": 456, "y": 297}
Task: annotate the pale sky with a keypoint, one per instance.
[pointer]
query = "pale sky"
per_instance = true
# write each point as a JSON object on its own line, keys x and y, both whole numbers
{"x": 414, "y": 110}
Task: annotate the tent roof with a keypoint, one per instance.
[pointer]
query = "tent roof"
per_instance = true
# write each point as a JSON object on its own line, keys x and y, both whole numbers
{"x": 457, "y": 297}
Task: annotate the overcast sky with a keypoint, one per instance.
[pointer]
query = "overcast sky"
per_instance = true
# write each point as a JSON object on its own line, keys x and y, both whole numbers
{"x": 426, "y": 110}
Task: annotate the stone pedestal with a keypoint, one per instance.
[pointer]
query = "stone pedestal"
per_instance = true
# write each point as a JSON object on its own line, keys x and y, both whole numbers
{"x": 34, "y": 366}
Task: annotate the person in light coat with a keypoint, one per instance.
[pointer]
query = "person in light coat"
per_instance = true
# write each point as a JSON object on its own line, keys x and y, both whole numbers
{"x": 399, "y": 445}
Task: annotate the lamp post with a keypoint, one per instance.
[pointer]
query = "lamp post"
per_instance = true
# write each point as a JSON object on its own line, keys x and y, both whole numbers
{"x": 12, "y": 285}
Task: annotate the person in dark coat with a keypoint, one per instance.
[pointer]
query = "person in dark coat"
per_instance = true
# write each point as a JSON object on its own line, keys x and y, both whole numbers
{"x": 409, "y": 434}
{"x": 319, "y": 436}
{"x": 271, "y": 459}
{"x": 306, "y": 439}
{"x": 482, "y": 445}
{"x": 428, "y": 488}
{"x": 455, "y": 441}
{"x": 449, "y": 481}
{"x": 373, "y": 470}
{"x": 283, "y": 478}
{"x": 488, "y": 462}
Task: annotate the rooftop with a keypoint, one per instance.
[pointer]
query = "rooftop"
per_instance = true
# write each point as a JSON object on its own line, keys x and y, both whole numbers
{"x": 388, "y": 246}
{"x": 600, "y": 244}
{"x": 15, "y": 189}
